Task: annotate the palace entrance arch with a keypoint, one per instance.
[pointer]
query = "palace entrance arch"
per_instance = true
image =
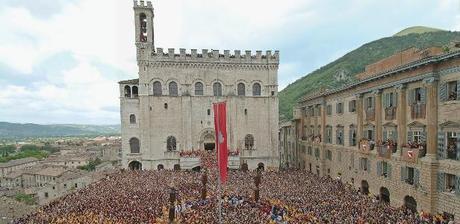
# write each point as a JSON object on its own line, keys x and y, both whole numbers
{"x": 208, "y": 140}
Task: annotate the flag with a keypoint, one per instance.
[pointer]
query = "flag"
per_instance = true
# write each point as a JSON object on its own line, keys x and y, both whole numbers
{"x": 220, "y": 126}
{"x": 410, "y": 154}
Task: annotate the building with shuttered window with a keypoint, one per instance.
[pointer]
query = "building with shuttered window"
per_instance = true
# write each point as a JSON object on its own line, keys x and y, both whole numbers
{"x": 395, "y": 132}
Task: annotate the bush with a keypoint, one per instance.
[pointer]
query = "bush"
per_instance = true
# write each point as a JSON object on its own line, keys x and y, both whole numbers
{"x": 7, "y": 149}
{"x": 25, "y": 198}
{"x": 29, "y": 148}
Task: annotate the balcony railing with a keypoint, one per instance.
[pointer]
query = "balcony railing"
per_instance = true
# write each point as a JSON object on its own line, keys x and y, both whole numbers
{"x": 385, "y": 151}
{"x": 418, "y": 111}
{"x": 370, "y": 114}
{"x": 413, "y": 154}
{"x": 390, "y": 113}
{"x": 365, "y": 146}
{"x": 172, "y": 154}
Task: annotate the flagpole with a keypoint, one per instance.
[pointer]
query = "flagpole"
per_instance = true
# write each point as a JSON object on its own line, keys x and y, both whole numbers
{"x": 219, "y": 186}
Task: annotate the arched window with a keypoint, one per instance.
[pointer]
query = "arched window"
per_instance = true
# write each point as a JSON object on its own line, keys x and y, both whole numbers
{"x": 127, "y": 91}
{"x": 134, "y": 145}
{"x": 135, "y": 91}
{"x": 157, "y": 88}
{"x": 241, "y": 89}
{"x": 143, "y": 28}
{"x": 173, "y": 89}
{"x": 132, "y": 119}
{"x": 249, "y": 142}
{"x": 171, "y": 143}
{"x": 256, "y": 89}
{"x": 199, "y": 89}
{"x": 217, "y": 89}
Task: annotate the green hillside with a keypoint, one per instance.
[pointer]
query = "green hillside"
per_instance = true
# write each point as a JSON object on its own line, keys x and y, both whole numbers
{"x": 16, "y": 130}
{"x": 354, "y": 62}
{"x": 417, "y": 29}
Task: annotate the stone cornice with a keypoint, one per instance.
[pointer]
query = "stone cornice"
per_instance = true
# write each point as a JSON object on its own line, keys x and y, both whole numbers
{"x": 210, "y": 65}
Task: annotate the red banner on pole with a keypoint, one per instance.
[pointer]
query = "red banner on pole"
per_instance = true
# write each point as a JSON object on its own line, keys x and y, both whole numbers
{"x": 220, "y": 126}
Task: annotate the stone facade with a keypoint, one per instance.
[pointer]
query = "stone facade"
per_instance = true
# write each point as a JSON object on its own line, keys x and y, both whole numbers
{"x": 394, "y": 133}
{"x": 168, "y": 109}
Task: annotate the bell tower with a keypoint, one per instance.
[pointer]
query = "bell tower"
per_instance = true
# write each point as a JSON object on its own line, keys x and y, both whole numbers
{"x": 143, "y": 19}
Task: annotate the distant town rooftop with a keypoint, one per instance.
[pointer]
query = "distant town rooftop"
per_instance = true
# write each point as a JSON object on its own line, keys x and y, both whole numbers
{"x": 18, "y": 162}
{"x": 131, "y": 81}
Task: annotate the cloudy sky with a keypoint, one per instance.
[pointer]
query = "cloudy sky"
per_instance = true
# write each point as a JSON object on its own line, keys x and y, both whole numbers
{"x": 60, "y": 60}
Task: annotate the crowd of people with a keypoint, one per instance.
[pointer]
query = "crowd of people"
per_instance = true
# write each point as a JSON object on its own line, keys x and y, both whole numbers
{"x": 291, "y": 196}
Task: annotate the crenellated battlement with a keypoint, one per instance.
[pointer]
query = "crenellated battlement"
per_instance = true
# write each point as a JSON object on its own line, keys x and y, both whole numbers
{"x": 215, "y": 56}
{"x": 142, "y": 4}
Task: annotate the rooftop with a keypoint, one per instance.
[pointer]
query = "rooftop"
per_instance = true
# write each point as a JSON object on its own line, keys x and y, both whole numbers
{"x": 130, "y": 81}
{"x": 18, "y": 162}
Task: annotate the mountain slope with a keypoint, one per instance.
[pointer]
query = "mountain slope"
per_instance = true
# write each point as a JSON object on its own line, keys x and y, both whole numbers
{"x": 417, "y": 29}
{"x": 15, "y": 130}
{"x": 354, "y": 62}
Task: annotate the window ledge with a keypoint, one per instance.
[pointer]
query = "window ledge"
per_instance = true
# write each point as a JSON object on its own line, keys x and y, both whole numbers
{"x": 449, "y": 102}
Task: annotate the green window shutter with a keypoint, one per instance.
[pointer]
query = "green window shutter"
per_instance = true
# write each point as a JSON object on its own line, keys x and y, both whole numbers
{"x": 368, "y": 166}
{"x": 350, "y": 137}
{"x": 416, "y": 177}
{"x": 379, "y": 168}
{"x": 443, "y": 92}
{"x": 409, "y": 136}
{"x": 457, "y": 185}
{"x": 441, "y": 145}
{"x": 385, "y": 100}
{"x": 458, "y": 146}
{"x": 403, "y": 171}
{"x": 395, "y": 135}
{"x": 423, "y": 136}
{"x": 365, "y": 103}
{"x": 372, "y": 102}
{"x": 385, "y": 135}
{"x": 389, "y": 170}
{"x": 441, "y": 182}
{"x": 423, "y": 95}
{"x": 411, "y": 96}
{"x": 458, "y": 89}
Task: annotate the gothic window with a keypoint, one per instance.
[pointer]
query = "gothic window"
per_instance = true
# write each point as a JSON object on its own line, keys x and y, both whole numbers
{"x": 256, "y": 89}
{"x": 132, "y": 119}
{"x": 217, "y": 89}
{"x": 199, "y": 89}
{"x": 134, "y": 145}
{"x": 241, "y": 89}
{"x": 173, "y": 89}
{"x": 171, "y": 143}
{"x": 157, "y": 88}
{"x": 249, "y": 142}
{"x": 127, "y": 91}
{"x": 143, "y": 28}
{"x": 135, "y": 91}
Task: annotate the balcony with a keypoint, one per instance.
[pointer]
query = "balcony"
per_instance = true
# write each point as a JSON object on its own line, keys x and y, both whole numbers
{"x": 411, "y": 155}
{"x": 385, "y": 150}
{"x": 171, "y": 155}
{"x": 365, "y": 146}
{"x": 370, "y": 114}
{"x": 418, "y": 111}
{"x": 390, "y": 113}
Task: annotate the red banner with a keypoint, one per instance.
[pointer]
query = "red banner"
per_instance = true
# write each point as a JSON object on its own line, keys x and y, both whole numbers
{"x": 220, "y": 126}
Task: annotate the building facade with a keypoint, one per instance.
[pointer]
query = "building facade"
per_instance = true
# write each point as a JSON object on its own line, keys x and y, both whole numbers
{"x": 168, "y": 109}
{"x": 394, "y": 133}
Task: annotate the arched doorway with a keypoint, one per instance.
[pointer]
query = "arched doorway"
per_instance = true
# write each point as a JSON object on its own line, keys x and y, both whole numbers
{"x": 135, "y": 165}
{"x": 177, "y": 167}
{"x": 244, "y": 167}
{"x": 260, "y": 166}
{"x": 196, "y": 168}
{"x": 364, "y": 187}
{"x": 208, "y": 140}
{"x": 160, "y": 167}
{"x": 410, "y": 203}
{"x": 385, "y": 194}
